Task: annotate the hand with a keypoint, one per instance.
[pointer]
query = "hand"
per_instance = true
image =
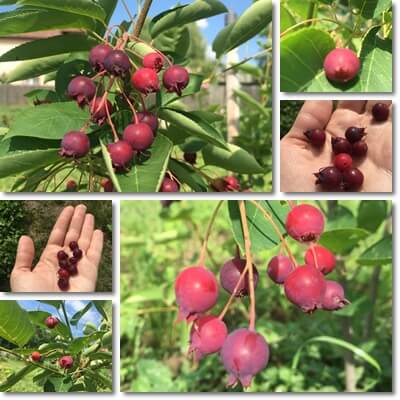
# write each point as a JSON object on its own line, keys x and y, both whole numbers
{"x": 73, "y": 224}
{"x": 299, "y": 160}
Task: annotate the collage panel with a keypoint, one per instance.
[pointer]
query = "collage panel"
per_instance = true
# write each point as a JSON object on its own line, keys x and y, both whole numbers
{"x": 181, "y": 103}
{"x": 60, "y": 346}
{"x": 256, "y": 295}
{"x": 56, "y": 246}
{"x": 336, "y": 146}
{"x": 336, "y": 46}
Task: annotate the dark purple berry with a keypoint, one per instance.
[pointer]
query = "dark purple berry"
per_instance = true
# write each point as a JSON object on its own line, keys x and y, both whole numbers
{"x": 62, "y": 255}
{"x": 73, "y": 268}
{"x": 140, "y": 136}
{"x": 353, "y": 179}
{"x": 175, "y": 79}
{"x": 75, "y": 144}
{"x": 77, "y": 253}
{"x": 316, "y": 137}
{"x": 354, "y": 134}
{"x": 360, "y": 148}
{"x": 148, "y": 118}
{"x": 73, "y": 245}
{"x": 73, "y": 260}
{"x": 341, "y": 145}
{"x": 380, "y": 112}
{"x": 63, "y": 273}
{"x": 190, "y": 158}
{"x": 63, "y": 284}
{"x": 97, "y": 56}
{"x": 82, "y": 90}
{"x": 117, "y": 63}
{"x": 330, "y": 178}
{"x": 63, "y": 263}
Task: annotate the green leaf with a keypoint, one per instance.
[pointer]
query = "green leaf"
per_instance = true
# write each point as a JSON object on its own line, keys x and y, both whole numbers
{"x": 175, "y": 40}
{"x": 193, "y": 125}
{"x": 33, "y": 20}
{"x": 302, "y": 55}
{"x": 254, "y": 20}
{"x": 147, "y": 176}
{"x": 15, "y": 325}
{"x": 379, "y": 253}
{"x": 34, "y": 68}
{"x": 234, "y": 159}
{"x": 16, "y": 377}
{"x": 252, "y": 102}
{"x": 61, "y": 44}
{"x": 370, "y": 9}
{"x": 109, "y": 166}
{"x": 371, "y": 214}
{"x": 48, "y": 121}
{"x": 187, "y": 175}
{"x": 286, "y": 17}
{"x": 262, "y": 234}
{"x": 79, "y": 314}
{"x": 79, "y": 7}
{"x": 343, "y": 240}
{"x": 182, "y": 15}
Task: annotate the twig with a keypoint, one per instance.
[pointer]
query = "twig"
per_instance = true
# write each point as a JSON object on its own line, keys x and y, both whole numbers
{"x": 142, "y": 17}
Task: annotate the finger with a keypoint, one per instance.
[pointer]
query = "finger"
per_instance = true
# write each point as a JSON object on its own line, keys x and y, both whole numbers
{"x": 357, "y": 106}
{"x": 371, "y": 103}
{"x": 314, "y": 114}
{"x": 76, "y": 224}
{"x": 25, "y": 254}
{"x": 96, "y": 247}
{"x": 86, "y": 233}
{"x": 60, "y": 228}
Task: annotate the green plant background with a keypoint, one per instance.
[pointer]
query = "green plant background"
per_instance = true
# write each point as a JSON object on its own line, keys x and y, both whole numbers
{"x": 157, "y": 242}
{"x": 36, "y": 219}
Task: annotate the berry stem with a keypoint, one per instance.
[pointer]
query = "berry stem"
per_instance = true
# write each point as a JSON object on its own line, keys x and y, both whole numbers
{"x": 277, "y": 230}
{"x": 130, "y": 104}
{"x": 142, "y": 17}
{"x": 314, "y": 255}
{"x": 114, "y": 131}
{"x": 249, "y": 264}
{"x": 101, "y": 73}
{"x": 203, "y": 251}
{"x": 66, "y": 319}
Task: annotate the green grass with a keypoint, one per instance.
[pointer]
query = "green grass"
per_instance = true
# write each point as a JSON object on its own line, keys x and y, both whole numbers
{"x": 26, "y": 384}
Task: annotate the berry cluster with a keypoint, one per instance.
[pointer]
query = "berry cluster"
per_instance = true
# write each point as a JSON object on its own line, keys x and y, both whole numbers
{"x": 245, "y": 352}
{"x": 68, "y": 265}
{"x": 343, "y": 175}
{"x": 341, "y": 65}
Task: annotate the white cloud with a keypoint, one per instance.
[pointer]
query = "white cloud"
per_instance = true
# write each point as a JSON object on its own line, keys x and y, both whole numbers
{"x": 202, "y": 23}
{"x": 210, "y": 52}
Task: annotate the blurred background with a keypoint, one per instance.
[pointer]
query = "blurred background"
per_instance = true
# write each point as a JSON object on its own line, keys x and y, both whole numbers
{"x": 348, "y": 350}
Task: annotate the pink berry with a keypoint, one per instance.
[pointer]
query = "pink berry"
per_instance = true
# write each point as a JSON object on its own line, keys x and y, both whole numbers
{"x": 175, "y": 79}
{"x": 145, "y": 80}
{"x": 279, "y": 268}
{"x": 207, "y": 336}
{"x": 98, "y": 110}
{"x": 353, "y": 179}
{"x": 121, "y": 154}
{"x": 341, "y": 65}
{"x": 36, "y": 356}
{"x": 330, "y": 178}
{"x": 169, "y": 185}
{"x": 333, "y": 298}
{"x": 154, "y": 61}
{"x": 97, "y": 56}
{"x": 196, "y": 291}
{"x": 380, "y": 112}
{"x": 148, "y": 118}
{"x": 230, "y": 273}
{"x": 305, "y": 287}
{"x": 117, "y": 63}
{"x": 244, "y": 354}
{"x": 324, "y": 260}
{"x": 66, "y": 362}
{"x": 316, "y": 137}
{"x": 343, "y": 161}
{"x": 341, "y": 145}
{"x": 75, "y": 144}
{"x": 231, "y": 184}
{"x": 305, "y": 223}
{"x": 140, "y": 136}
{"x": 51, "y": 322}
{"x": 82, "y": 90}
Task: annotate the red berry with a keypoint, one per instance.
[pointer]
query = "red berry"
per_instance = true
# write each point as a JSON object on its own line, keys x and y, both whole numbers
{"x": 316, "y": 137}
{"x": 117, "y": 63}
{"x": 36, "y": 356}
{"x": 305, "y": 223}
{"x": 231, "y": 184}
{"x": 175, "y": 79}
{"x": 145, "y": 80}
{"x": 63, "y": 273}
{"x": 380, "y": 112}
{"x": 148, "y": 118}
{"x": 63, "y": 284}
{"x": 207, "y": 336}
{"x": 51, "y": 322}
{"x": 341, "y": 145}
{"x": 330, "y": 178}
{"x": 107, "y": 184}
{"x": 341, "y": 65}
{"x": 73, "y": 245}
{"x": 190, "y": 158}
{"x": 169, "y": 185}
{"x": 82, "y": 90}
{"x": 121, "y": 154}
{"x": 324, "y": 259}
{"x": 305, "y": 288}
{"x": 66, "y": 362}
{"x": 75, "y": 144}
{"x": 62, "y": 255}
{"x": 333, "y": 298}
{"x": 154, "y": 61}
{"x": 279, "y": 268}
{"x": 353, "y": 179}
{"x": 98, "y": 110}
{"x": 77, "y": 253}
{"x": 359, "y": 148}
{"x": 71, "y": 185}
{"x": 139, "y": 136}
{"x": 230, "y": 274}
{"x": 244, "y": 354}
{"x": 97, "y": 56}
{"x": 354, "y": 134}
{"x": 343, "y": 161}
{"x": 196, "y": 291}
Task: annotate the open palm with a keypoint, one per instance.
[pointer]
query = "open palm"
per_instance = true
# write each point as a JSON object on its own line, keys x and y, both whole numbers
{"x": 73, "y": 224}
{"x": 299, "y": 160}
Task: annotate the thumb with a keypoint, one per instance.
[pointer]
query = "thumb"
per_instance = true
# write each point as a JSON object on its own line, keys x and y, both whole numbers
{"x": 25, "y": 254}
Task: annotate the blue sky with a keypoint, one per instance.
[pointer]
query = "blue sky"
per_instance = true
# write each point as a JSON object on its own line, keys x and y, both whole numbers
{"x": 71, "y": 306}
